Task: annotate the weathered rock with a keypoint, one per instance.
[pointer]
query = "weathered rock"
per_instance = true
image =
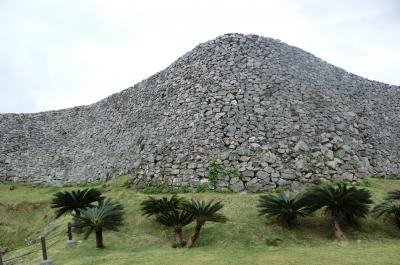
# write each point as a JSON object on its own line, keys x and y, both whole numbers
{"x": 301, "y": 146}
{"x": 244, "y": 158}
{"x": 3, "y": 250}
{"x": 270, "y": 158}
{"x": 299, "y": 164}
{"x": 348, "y": 176}
{"x": 238, "y": 186}
{"x": 248, "y": 173}
{"x": 262, "y": 175}
{"x": 334, "y": 163}
{"x": 329, "y": 155}
{"x": 253, "y": 187}
{"x": 204, "y": 181}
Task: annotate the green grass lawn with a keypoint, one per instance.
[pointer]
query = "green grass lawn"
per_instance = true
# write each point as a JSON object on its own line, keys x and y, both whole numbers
{"x": 243, "y": 240}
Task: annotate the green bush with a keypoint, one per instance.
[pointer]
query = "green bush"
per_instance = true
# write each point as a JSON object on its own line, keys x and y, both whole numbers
{"x": 214, "y": 171}
{"x": 365, "y": 183}
{"x": 153, "y": 206}
{"x": 390, "y": 207}
{"x": 201, "y": 188}
{"x": 285, "y": 207}
{"x": 168, "y": 212}
{"x": 343, "y": 203}
{"x": 108, "y": 215}
{"x": 184, "y": 189}
{"x": 203, "y": 211}
{"x": 66, "y": 202}
{"x": 157, "y": 188}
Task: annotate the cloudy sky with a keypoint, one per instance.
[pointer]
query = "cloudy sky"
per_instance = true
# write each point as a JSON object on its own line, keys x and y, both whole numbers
{"x": 59, "y": 54}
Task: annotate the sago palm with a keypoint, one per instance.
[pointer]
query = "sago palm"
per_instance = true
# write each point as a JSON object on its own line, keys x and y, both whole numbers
{"x": 285, "y": 207}
{"x": 341, "y": 202}
{"x": 177, "y": 220}
{"x": 390, "y": 207}
{"x": 203, "y": 211}
{"x": 152, "y": 206}
{"x": 108, "y": 215}
{"x": 74, "y": 201}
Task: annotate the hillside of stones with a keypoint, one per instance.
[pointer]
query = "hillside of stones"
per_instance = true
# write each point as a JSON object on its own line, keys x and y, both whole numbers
{"x": 271, "y": 114}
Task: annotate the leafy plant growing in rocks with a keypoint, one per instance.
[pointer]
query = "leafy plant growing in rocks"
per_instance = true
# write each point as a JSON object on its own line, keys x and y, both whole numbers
{"x": 75, "y": 201}
{"x": 203, "y": 211}
{"x": 200, "y": 188}
{"x": 216, "y": 170}
{"x": 343, "y": 203}
{"x": 213, "y": 173}
{"x": 157, "y": 188}
{"x": 108, "y": 215}
{"x": 390, "y": 207}
{"x": 285, "y": 207}
{"x": 233, "y": 173}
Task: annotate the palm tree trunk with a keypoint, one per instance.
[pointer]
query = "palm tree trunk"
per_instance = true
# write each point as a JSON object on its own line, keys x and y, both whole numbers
{"x": 77, "y": 230}
{"x": 195, "y": 235}
{"x": 178, "y": 236}
{"x": 397, "y": 218}
{"x": 289, "y": 223}
{"x": 338, "y": 230}
{"x": 99, "y": 238}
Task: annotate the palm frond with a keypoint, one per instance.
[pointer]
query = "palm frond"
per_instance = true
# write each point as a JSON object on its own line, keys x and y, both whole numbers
{"x": 285, "y": 207}
{"x": 206, "y": 211}
{"x": 88, "y": 232}
{"x": 393, "y": 195}
{"x": 339, "y": 200}
{"x": 76, "y": 200}
{"x": 152, "y": 206}
{"x": 175, "y": 218}
{"x": 109, "y": 215}
{"x": 390, "y": 207}
{"x": 386, "y": 208}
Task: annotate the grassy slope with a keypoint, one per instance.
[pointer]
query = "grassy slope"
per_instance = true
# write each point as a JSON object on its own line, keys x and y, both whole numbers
{"x": 241, "y": 241}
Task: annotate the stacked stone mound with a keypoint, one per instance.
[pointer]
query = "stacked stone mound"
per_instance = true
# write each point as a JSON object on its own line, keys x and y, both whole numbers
{"x": 271, "y": 114}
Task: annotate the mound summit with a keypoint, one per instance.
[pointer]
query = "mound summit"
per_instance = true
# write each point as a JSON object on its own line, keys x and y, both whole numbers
{"x": 272, "y": 114}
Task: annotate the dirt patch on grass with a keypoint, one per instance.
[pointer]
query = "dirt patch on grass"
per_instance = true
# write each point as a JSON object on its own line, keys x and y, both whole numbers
{"x": 25, "y": 206}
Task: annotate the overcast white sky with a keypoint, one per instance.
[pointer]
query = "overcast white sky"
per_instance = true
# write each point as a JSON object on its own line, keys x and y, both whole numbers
{"x": 59, "y": 54}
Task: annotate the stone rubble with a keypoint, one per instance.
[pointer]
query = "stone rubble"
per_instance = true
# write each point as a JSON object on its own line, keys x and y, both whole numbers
{"x": 273, "y": 114}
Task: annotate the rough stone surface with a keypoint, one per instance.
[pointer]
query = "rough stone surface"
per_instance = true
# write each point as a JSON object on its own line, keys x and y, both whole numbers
{"x": 276, "y": 114}
{"x": 70, "y": 243}
{"x": 3, "y": 250}
{"x": 47, "y": 262}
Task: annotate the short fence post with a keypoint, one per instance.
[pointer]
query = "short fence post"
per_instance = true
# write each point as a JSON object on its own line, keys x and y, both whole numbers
{"x": 45, "y": 260}
{"x": 69, "y": 232}
{"x": 70, "y": 241}
{"x": 1, "y": 258}
{"x": 44, "y": 250}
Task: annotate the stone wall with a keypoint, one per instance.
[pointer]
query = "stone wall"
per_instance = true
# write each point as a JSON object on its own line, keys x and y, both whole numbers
{"x": 272, "y": 114}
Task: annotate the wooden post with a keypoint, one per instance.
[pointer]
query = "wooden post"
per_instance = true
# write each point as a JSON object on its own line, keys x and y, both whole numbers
{"x": 1, "y": 258}
{"x": 70, "y": 242}
{"x": 45, "y": 260}
{"x": 44, "y": 250}
{"x": 69, "y": 232}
